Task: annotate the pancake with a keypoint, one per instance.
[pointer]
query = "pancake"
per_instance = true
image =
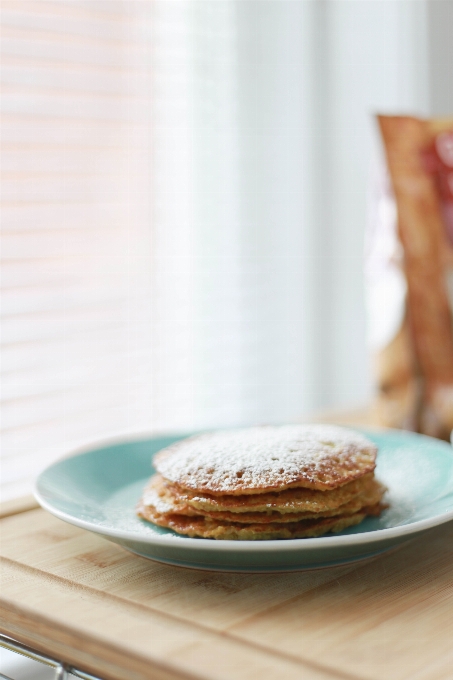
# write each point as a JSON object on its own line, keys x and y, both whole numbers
{"x": 288, "y": 501}
{"x": 267, "y": 459}
{"x": 209, "y": 528}
{"x": 159, "y": 496}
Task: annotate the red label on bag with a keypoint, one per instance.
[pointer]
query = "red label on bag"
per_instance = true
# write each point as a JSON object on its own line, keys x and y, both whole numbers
{"x": 438, "y": 160}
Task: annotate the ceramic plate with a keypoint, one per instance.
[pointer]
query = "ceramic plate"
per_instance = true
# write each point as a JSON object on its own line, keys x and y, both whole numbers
{"x": 98, "y": 489}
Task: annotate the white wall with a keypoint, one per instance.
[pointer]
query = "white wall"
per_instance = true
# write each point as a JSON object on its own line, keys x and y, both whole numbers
{"x": 264, "y": 114}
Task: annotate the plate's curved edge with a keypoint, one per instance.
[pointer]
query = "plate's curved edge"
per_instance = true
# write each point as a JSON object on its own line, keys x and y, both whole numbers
{"x": 244, "y": 546}
{"x": 367, "y": 557}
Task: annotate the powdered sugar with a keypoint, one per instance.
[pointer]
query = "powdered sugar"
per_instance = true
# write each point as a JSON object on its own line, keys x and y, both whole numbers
{"x": 161, "y": 504}
{"x": 254, "y": 459}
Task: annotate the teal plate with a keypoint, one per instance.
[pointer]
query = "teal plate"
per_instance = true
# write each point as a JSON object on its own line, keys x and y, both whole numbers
{"x": 98, "y": 489}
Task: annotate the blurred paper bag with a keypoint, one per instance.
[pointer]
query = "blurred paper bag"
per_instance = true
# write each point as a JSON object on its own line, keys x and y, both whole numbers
{"x": 409, "y": 272}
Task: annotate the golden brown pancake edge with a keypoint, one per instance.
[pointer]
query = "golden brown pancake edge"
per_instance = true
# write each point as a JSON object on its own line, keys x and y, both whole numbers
{"x": 199, "y": 527}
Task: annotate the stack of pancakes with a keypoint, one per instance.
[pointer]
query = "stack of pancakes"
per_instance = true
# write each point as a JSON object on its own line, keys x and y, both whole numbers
{"x": 293, "y": 481}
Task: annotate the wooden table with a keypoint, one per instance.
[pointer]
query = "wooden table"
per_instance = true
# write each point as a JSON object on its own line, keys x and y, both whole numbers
{"x": 88, "y": 602}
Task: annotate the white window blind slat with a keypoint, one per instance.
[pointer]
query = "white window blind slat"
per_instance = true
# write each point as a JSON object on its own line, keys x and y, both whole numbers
{"x": 79, "y": 78}
{"x": 27, "y": 161}
{"x": 96, "y": 368}
{"x": 107, "y": 9}
{"x": 48, "y": 325}
{"x": 28, "y": 129}
{"x": 73, "y": 189}
{"x": 41, "y": 272}
{"x": 29, "y": 357}
{"x": 36, "y": 16}
{"x": 61, "y": 243}
{"x": 23, "y": 99}
{"x": 26, "y": 356}
{"x": 20, "y": 413}
{"x": 66, "y": 48}
{"x": 32, "y": 299}
{"x": 17, "y": 217}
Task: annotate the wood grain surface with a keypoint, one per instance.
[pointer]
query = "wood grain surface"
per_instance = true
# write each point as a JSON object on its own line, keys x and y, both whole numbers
{"x": 89, "y": 602}
{"x": 17, "y": 505}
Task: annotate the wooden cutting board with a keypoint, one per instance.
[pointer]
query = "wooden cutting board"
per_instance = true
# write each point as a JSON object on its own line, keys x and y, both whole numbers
{"x": 88, "y": 602}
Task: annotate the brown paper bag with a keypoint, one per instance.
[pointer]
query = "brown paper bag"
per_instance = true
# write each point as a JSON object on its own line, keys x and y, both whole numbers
{"x": 413, "y": 361}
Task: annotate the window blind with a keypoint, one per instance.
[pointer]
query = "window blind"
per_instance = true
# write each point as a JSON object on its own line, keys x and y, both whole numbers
{"x": 76, "y": 231}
